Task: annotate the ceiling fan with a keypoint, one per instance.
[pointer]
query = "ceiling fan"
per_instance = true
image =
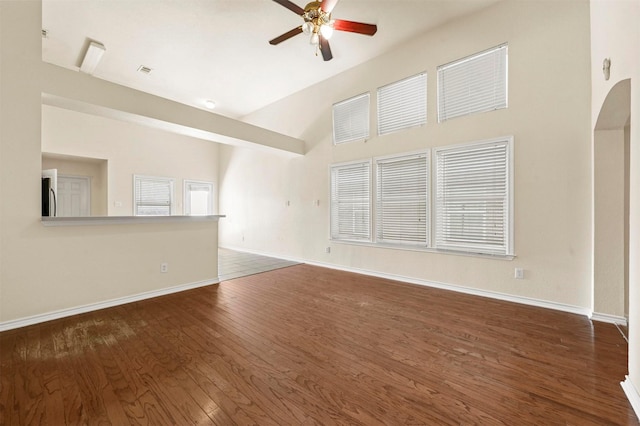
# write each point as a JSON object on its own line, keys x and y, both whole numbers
{"x": 319, "y": 25}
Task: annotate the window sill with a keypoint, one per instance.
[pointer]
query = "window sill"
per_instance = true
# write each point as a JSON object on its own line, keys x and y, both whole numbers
{"x": 124, "y": 220}
{"x": 426, "y": 250}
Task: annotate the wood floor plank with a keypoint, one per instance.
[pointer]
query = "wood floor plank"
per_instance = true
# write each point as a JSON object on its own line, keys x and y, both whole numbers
{"x": 160, "y": 372}
{"x": 7, "y": 372}
{"x": 384, "y": 396}
{"x": 298, "y": 390}
{"x": 310, "y": 346}
{"x": 141, "y": 402}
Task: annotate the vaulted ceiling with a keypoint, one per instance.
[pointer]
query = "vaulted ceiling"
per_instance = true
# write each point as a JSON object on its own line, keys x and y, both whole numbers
{"x": 218, "y": 50}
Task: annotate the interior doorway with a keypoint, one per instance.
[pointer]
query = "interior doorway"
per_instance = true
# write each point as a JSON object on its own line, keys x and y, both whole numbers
{"x": 611, "y": 206}
{"x": 74, "y": 196}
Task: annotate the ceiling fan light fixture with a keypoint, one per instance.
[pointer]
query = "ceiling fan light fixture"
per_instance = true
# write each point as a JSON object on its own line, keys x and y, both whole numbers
{"x": 318, "y": 25}
{"x": 327, "y": 30}
{"x": 307, "y": 27}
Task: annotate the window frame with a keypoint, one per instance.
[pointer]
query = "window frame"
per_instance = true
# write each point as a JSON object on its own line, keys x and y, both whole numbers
{"x": 187, "y": 200}
{"x": 508, "y": 216}
{"x": 378, "y": 201}
{"x": 366, "y": 131}
{"x": 418, "y": 104}
{"x": 441, "y": 96}
{"x": 349, "y": 237}
{"x": 171, "y": 182}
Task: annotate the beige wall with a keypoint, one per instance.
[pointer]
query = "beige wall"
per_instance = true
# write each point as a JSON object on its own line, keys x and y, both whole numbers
{"x": 130, "y": 149}
{"x": 45, "y": 269}
{"x": 548, "y": 115}
{"x": 615, "y": 34}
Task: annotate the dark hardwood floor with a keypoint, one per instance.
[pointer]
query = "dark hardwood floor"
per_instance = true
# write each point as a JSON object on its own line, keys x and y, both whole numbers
{"x": 306, "y": 345}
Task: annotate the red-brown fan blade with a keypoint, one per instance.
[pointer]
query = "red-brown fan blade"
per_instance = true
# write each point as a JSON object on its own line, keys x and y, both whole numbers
{"x": 328, "y": 5}
{"x": 355, "y": 27}
{"x": 286, "y": 36}
{"x": 291, "y": 6}
{"x": 325, "y": 49}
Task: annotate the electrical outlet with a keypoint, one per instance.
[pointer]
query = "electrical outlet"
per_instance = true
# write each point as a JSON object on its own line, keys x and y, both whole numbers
{"x": 327, "y": 250}
{"x": 519, "y": 274}
{"x": 164, "y": 267}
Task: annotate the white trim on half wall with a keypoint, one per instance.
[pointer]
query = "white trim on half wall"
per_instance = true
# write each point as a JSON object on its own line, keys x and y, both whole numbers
{"x": 36, "y": 319}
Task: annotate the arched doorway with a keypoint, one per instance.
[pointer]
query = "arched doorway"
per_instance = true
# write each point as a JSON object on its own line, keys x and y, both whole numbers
{"x": 611, "y": 206}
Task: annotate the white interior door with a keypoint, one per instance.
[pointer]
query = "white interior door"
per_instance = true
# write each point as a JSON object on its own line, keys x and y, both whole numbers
{"x": 74, "y": 196}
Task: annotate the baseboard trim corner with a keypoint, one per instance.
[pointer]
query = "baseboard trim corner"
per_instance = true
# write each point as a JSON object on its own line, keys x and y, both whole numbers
{"x": 40, "y": 318}
{"x": 612, "y": 319}
{"x": 632, "y": 395}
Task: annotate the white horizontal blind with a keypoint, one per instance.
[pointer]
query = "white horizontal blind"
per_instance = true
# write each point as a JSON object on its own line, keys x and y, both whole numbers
{"x": 402, "y": 104}
{"x": 351, "y": 119}
{"x": 473, "y": 198}
{"x": 351, "y": 201}
{"x": 153, "y": 196}
{"x": 474, "y": 84}
{"x": 401, "y": 200}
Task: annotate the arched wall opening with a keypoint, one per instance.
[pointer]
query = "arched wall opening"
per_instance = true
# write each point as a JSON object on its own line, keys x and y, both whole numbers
{"x": 611, "y": 154}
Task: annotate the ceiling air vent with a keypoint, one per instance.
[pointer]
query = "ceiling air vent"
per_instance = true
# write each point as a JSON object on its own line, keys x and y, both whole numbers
{"x": 144, "y": 70}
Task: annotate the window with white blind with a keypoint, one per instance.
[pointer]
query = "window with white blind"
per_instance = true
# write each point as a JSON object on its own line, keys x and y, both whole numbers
{"x": 198, "y": 198}
{"x": 402, "y": 104}
{"x": 474, "y": 84}
{"x": 402, "y": 213}
{"x": 351, "y": 201}
{"x": 351, "y": 119}
{"x": 152, "y": 196}
{"x": 474, "y": 200}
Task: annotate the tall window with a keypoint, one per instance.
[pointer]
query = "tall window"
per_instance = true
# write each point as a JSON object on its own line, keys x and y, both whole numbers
{"x": 351, "y": 119}
{"x": 402, "y": 213}
{"x": 474, "y": 200}
{"x": 474, "y": 84}
{"x": 198, "y": 198}
{"x": 351, "y": 201}
{"x": 402, "y": 104}
{"x": 152, "y": 196}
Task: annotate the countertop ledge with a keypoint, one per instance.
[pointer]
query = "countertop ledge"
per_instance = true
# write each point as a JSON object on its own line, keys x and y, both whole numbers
{"x": 124, "y": 220}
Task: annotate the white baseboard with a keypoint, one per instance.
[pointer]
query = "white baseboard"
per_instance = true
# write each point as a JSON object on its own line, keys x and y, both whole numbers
{"x": 612, "y": 319}
{"x": 632, "y": 394}
{"x": 36, "y": 319}
{"x": 460, "y": 289}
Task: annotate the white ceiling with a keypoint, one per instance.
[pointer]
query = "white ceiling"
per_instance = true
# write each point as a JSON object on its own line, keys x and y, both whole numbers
{"x": 219, "y": 50}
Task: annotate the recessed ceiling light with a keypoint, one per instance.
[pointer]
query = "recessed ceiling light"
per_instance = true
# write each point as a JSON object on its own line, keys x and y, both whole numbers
{"x": 209, "y": 104}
